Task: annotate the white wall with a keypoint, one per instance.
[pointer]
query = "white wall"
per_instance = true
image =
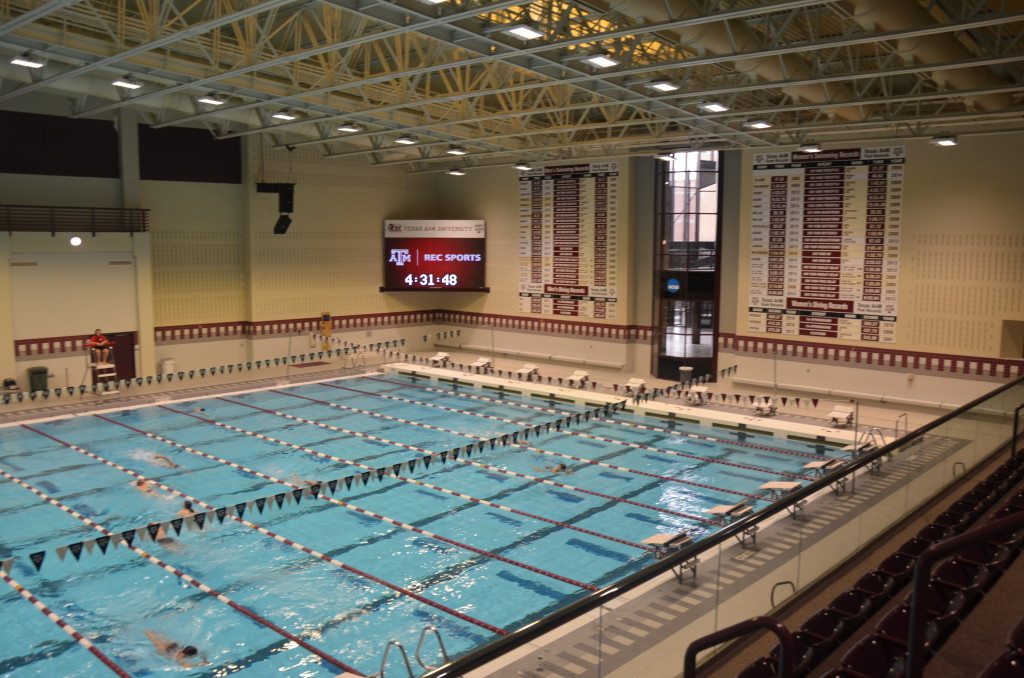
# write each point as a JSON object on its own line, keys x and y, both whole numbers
{"x": 66, "y": 293}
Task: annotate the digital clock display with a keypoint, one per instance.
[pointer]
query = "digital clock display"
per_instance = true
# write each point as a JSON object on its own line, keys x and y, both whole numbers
{"x": 432, "y": 254}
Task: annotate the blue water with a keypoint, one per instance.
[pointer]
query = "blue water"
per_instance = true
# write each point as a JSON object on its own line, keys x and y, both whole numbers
{"x": 470, "y": 569}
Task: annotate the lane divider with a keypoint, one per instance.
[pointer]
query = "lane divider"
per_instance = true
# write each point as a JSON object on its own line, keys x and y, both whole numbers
{"x": 426, "y": 451}
{"x": 255, "y": 526}
{"x": 406, "y": 479}
{"x": 187, "y": 578}
{"x": 695, "y": 436}
{"x": 549, "y": 453}
{"x": 64, "y": 626}
{"x": 417, "y": 449}
{"x": 357, "y": 509}
{"x": 591, "y": 436}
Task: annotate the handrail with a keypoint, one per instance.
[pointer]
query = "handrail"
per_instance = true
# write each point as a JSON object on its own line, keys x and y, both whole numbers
{"x": 922, "y": 570}
{"x": 1016, "y": 431}
{"x": 906, "y": 424}
{"x": 405, "y": 658}
{"x": 419, "y": 645}
{"x": 54, "y": 219}
{"x": 786, "y": 652}
{"x": 517, "y": 638}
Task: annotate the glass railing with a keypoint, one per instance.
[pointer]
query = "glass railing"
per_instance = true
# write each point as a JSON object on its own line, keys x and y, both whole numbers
{"x": 753, "y": 565}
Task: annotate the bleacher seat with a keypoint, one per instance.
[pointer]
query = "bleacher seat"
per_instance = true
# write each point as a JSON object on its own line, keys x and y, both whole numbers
{"x": 874, "y": 657}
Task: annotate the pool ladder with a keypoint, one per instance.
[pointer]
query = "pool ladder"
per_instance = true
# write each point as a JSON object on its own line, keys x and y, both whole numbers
{"x": 429, "y": 629}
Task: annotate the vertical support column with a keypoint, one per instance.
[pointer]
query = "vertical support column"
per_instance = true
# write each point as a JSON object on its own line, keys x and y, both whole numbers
{"x": 8, "y": 366}
{"x": 249, "y": 148}
{"x": 131, "y": 197}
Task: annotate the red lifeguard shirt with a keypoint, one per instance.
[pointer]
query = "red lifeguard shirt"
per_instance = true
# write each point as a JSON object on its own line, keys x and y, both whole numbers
{"x": 99, "y": 340}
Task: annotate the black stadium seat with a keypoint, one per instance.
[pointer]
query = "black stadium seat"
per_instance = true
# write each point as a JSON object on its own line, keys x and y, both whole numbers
{"x": 874, "y": 657}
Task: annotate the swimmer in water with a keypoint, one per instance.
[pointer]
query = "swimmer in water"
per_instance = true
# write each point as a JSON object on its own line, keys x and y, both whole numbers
{"x": 557, "y": 468}
{"x": 162, "y": 460}
{"x": 146, "y": 486}
{"x": 186, "y": 510}
{"x": 187, "y": 656}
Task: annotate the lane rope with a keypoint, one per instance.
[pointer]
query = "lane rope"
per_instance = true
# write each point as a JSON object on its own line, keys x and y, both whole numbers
{"x": 358, "y": 509}
{"x": 591, "y": 436}
{"x": 530, "y": 448}
{"x": 426, "y": 451}
{"x": 187, "y": 578}
{"x": 695, "y": 436}
{"x": 263, "y": 530}
{"x": 64, "y": 626}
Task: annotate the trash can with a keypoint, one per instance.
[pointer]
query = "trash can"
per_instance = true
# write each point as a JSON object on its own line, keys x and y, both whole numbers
{"x": 685, "y": 373}
{"x": 167, "y": 366}
{"x": 37, "y": 378}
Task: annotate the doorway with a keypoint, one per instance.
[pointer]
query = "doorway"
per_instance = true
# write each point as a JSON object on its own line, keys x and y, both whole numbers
{"x": 124, "y": 353}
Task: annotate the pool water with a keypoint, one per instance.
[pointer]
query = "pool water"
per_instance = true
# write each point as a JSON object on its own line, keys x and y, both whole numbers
{"x": 476, "y": 547}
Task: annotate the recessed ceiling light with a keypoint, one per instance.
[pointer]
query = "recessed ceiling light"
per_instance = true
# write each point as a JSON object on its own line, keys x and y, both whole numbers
{"x": 350, "y": 127}
{"x": 601, "y": 60}
{"x": 433, "y": 2}
{"x": 405, "y": 140}
{"x": 127, "y": 82}
{"x": 526, "y": 31}
{"x": 285, "y": 115}
{"x": 522, "y": 165}
{"x": 759, "y": 124}
{"x": 810, "y": 148}
{"x": 456, "y": 172}
{"x": 212, "y": 99}
{"x": 663, "y": 86}
{"x": 27, "y": 60}
{"x": 74, "y": 241}
{"x": 667, "y": 157}
{"x": 456, "y": 150}
{"x": 944, "y": 141}
{"x": 713, "y": 107}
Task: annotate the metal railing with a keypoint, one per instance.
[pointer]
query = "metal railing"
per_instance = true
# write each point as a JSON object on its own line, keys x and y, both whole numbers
{"x": 53, "y": 219}
{"x": 922, "y": 573}
{"x": 735, "y": 530}
{"x": 787, "y": 648}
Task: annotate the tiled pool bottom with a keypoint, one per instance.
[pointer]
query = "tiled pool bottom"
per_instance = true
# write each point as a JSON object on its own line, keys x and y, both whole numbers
{"x": 476, "y": 547}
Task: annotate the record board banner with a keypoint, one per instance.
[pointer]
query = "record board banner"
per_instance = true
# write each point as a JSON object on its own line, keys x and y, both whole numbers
{"x": 568, "y": 240}
{"x": 825, "y": 243}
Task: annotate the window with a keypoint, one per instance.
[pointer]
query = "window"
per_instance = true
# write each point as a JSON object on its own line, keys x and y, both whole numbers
{"x": 687, "y": 255}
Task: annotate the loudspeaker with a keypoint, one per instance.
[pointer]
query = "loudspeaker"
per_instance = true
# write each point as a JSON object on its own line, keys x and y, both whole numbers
{"x": 283, "y": 222}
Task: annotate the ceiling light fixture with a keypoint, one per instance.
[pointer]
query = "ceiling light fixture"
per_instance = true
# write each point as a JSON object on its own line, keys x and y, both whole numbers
{"x": 456, "y": 172}
{"x": 27, "y": 60}
{"x": 759, "y": 124}
{"x": 601, "y": 60}
{"x": 663, "y": 86}
{"x": 667, "y": 157}
{"x": 524, "y": 30}
{"x": 285, "y": 115}
{"x": 127, "y": 82}
{"x": 405, "y": 140}
{"x": 456, "y": 150}
{"x": 350, "y": 127}
{"x": 522, "y": 165}
{"x": 810, "y": 147}
{"x": 212, "y": 99}
{"x": 945, "y": 140}
{"x": 74, "y": 241}
{"x": 433, "y": 2}
{"x": 713, "y": 107}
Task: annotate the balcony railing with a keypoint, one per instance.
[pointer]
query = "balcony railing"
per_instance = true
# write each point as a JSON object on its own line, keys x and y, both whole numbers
{"x": 53, "y": 220}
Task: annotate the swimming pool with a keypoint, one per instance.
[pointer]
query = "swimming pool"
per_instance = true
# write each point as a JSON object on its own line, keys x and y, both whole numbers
{"x": 315, "y": 577}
